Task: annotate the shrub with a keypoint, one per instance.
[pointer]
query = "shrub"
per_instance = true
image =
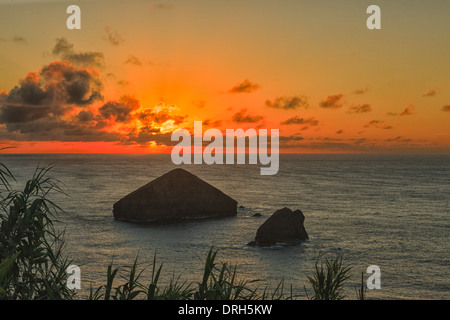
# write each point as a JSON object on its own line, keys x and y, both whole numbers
{"x": 31, "y": 249}
{"x": 328, "y": 279}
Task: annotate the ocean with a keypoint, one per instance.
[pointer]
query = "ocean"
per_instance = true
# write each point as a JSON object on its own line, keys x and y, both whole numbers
{"x": 386, "y": 210}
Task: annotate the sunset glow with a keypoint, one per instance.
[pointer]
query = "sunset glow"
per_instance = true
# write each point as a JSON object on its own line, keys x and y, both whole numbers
{"x": 123, "y": 86}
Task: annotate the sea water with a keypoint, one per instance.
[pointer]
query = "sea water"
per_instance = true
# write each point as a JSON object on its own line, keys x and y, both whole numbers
{"x": 386, "y": 210}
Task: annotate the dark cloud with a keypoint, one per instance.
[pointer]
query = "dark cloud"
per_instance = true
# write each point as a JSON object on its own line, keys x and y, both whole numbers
{"x": 87, "y": 134}
{"x": 149, "y": 134}
{"x": 378, "y": 124}
{"x": 409, "y": 110}
{"x": 430, "y": 93}
{"x": 328, "y": 144}
{"x": 35, "y": 109}
{"x": 288, "y": 103}
{"x": 58, "y": 103}
{"x": 245, "y": 86}
{"x": 50, "y": 92}
{"x": 199, "y": 103}
{"x": 161, "y": 6}
{"x": 160, "y": 117}
{"x": 446, "y": 108}
{"x": 332, "y": 102}
{"x": 71, "y": 85}
{"x": 133, "y": 60}
{"x": 22, "y": 114}
{"x": 399, "y": 139}
{"x": 85, "y": 116}
{"x": 340, "y": 131}
{"x": 331, "y": 144}
{"x": 123, "y": 83}
{"x": 214, "y": 124}
{"x": 360, "y": 108}
{"x": 19, "y": 39}
{"x": 298, "y": 120}
{"x": 241, "y": 116}
{"x": 291, "y": 141}
{"x": 64, "y": 50}
{"x": 119, "y": 111}
{"x": 361, "y": 91}
{"x": 29, "y": 91}
{"x": 116, "y": 111}
{"x": 112, "y": 37}
{"x": 56, "y": 129}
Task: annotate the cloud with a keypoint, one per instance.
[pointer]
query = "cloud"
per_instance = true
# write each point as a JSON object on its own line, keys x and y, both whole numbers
{"x": 288, "y": 103}
{"x": 61, "y": 102}
{"x": 147, "y": 135}
{"x": 22, "y": 113}
{"x": 210, "y": 123}
{"x": 39, "y": 107}
{"x": 331, "y": 144}
{"x": 116, "y": 111}
{"x": 409, "y": 110}
{"x": 361, "y": 91}
{"x": 332, "y": 102}
{"x": 133, "y": 60}
{"x": 55, "y": 85}
{"x": 85, "y": 116}
{"x": 64, "y": 50}
{"x": 245, "y": 86}
{"x": 112, "y": 37}
{"x": 123, "y": 83}
{"x": 199, "y": 103}
{"x": 160, "y": 117}
{"x": 430, "y": 93}
{"x": 340, "y": 131}
{"x": 241, "y": 116}
{"x": 446, "y": 108}
{"x": 298, "y": 120}
{"x": 119, "y": 111}
{"x": 19, "y": 39}
{"x": 360, "y": 108}
{"x": 378, "y": 124}
{"x": 161, "y": 6}
{"x": 291, "y": 141}
{"x": 52, "y": 128}
{"x": 399, "y": 139}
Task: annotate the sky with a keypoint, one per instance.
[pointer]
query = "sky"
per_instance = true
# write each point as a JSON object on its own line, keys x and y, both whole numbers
{"x": 138, "y": 70}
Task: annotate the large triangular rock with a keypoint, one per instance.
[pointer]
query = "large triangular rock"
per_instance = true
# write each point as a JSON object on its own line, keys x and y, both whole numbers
{"x": 175, "y": 195}
{"x": 284, "y": 225}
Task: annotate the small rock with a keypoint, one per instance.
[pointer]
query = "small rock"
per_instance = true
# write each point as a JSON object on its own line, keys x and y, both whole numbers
{"x": 284, "y": 225}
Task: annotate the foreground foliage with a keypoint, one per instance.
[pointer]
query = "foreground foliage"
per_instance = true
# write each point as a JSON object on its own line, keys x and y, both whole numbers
{"x": 33, "y": 265}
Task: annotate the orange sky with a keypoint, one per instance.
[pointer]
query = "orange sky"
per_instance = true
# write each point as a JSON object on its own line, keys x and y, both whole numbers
{"x": 138, "y": 70}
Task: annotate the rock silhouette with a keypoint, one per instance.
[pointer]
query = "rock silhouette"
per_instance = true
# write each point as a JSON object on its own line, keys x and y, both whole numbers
{"x": 284, "y": 225}
{"x": 175, "y": 195}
